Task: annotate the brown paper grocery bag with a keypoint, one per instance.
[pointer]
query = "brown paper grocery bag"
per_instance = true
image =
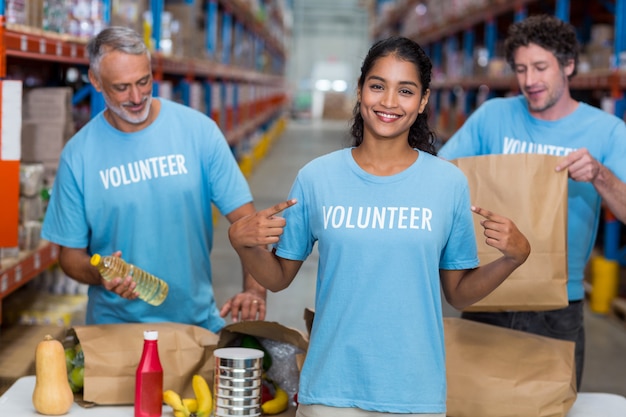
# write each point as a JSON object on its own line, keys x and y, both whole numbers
{"x": 527, "y": 189}
{"x": 112, "y": 353}
{"x": 498, "y": 372}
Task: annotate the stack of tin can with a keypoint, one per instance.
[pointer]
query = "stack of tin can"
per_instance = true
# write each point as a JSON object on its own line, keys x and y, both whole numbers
{"x": 237, "y": 388}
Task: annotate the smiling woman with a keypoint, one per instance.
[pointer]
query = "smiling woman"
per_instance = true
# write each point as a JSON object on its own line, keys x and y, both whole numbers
{"x": 394, "y": 226}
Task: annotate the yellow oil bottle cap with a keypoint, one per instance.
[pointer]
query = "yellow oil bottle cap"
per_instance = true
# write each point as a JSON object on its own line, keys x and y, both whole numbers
{"x": 95, "y": 259}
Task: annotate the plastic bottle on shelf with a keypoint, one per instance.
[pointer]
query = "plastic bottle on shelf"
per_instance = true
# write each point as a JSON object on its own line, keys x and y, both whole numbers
{"x": 151, "y": 289}
{"x": 149, "y": 378}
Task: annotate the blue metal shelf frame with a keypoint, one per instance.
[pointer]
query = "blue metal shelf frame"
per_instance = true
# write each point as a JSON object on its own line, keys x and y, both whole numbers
{"x": 212, "y": 13}
{"x": 156, "y": 7}
{"x": 521, "y": 13}
{"x": 562, "y": 10}
{"x": 612, "y": 226}
{"x": 491, "y": 36}
{"x": 620, "y": 27}
{"x": 227, "y": 37}
{"x": 469, "y": 39}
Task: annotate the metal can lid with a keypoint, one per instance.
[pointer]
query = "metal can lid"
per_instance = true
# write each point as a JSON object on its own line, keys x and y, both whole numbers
{"x": 238, "y": 353}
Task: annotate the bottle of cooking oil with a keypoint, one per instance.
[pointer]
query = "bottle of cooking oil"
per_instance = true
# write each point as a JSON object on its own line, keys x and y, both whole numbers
{"x": 151, "y": 289}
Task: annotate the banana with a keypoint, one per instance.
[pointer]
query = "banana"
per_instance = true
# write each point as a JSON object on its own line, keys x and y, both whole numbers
{"x": 191, "y": 404}
{"x": 172, "y": 399}
{"x": 203, "y": 396}
{"x": 278, "y": 404}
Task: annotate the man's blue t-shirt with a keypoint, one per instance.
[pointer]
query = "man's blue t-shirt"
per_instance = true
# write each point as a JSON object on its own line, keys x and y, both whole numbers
{"x": 505, "y": 126}
{"x": 377, "y": 341}
{"x": 148, "y": 194}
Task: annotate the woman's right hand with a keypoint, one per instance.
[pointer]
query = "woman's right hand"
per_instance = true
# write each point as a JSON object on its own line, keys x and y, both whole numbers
{"x": 259, "y": 229}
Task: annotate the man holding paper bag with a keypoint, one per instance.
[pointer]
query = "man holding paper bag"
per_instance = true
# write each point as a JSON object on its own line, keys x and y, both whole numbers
{"x": 545, "y": 119}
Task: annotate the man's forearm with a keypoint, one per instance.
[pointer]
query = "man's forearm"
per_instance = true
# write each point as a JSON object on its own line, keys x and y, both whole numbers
{"x": 75, "y": 263}
{"x": 612, "y": 191}
{"x": 251, "y": 285}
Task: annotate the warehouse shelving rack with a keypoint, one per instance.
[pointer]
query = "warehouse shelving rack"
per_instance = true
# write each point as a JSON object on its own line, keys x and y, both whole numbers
{"x": 260, "y": 71}
{"x": 461, "y": 94}
{"x": 460, "y": 34}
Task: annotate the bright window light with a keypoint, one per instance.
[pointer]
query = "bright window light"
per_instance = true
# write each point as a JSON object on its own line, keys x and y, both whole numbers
{"x": 323, "y": 85}
{"x": 340, "y": 86}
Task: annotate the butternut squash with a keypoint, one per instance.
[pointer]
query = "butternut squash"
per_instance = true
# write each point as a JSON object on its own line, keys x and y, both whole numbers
{"x": 52, "y": 395}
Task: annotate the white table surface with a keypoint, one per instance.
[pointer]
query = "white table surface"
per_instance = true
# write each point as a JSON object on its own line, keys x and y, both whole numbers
{"x": 17, "y": 401}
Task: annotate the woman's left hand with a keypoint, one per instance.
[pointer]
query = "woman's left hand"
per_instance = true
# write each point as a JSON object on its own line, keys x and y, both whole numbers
{"x": 502, "y": 234}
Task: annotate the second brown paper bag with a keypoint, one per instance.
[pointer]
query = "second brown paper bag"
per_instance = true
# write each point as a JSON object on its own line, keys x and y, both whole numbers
{"x": 526, "y": 189}
{"x": 493, "y": 371}
{"x": 112, "y": 353}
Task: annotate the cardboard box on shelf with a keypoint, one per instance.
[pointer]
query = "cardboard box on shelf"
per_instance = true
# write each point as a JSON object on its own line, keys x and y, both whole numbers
{"x": 129, "y": 13}
{"x": 16, "y": 11}
{"x": 188, "y": 41}
{"x": 43, "y": 142}
{"x": 600, "y": 56}
{"x": 48, "y": 103}
{"x": 31, "y": 179}
{"x": 29, "y": 235}
{"x": 35, "y": 13}
{"x": 47, "y": 125}
{"x": 31, "y": 209}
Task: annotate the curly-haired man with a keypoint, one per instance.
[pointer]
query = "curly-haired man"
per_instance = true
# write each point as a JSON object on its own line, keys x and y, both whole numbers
{"x": 544, "y": 118}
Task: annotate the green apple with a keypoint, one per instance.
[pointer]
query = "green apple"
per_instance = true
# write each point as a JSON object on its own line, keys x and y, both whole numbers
{"x": 70, "y": 355}
{"x": 77, "y": 376}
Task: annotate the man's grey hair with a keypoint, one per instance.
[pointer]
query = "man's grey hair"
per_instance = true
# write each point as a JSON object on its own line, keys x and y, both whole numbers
{"x": 114, "y": 38}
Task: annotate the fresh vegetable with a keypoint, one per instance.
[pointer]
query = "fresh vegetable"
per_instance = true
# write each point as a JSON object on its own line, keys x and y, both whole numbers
{"x": 52, "y": 394}
{"x": 75, "y": 364}
{"x": 252, "y": 342}
{"x": 70, "y": 355}
{"x": 77, "y": 377}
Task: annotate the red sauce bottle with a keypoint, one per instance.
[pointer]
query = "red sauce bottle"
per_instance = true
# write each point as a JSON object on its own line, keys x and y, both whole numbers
{"x": 149, "y": 378}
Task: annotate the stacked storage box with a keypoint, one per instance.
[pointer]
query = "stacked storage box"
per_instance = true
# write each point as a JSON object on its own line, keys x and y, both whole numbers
{"x": 47, "y": 126}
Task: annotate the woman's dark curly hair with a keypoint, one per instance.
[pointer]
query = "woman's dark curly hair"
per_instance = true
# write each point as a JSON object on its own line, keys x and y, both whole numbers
{"x": 420, "y": 135}
{"x": 548, "y": 32}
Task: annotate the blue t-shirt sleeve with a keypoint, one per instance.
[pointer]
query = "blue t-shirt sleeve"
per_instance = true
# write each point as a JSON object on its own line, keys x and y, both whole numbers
{"x": 461, "y": 250}
{"x": 615, "y": 156}
{"x": 65, "y": 220}
{"x": 296, "y": 242}
{"x": 229, "y": 186}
